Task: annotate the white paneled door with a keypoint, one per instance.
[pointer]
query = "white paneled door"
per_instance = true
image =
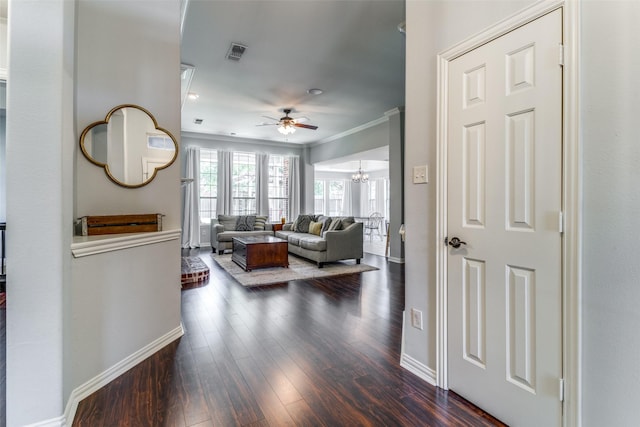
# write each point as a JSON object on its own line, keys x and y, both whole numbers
{"x": 504, "y": 174}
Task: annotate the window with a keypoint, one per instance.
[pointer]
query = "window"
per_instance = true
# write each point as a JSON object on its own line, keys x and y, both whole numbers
{"x": 244, "y": 184}
{"x": 278, "y": 187}
{"x": 160, "y": 142}
{"x": 208, "y": 185}
{"x": 378, "y": 197}
{"x": 328, "y": 196}
{"x": 371, "y": 205}
{"x": 318, "y": 201}
{"x": 336, "y": 191}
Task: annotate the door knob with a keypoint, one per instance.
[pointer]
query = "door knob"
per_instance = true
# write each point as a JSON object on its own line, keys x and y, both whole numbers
{"x": 454, "y": 242}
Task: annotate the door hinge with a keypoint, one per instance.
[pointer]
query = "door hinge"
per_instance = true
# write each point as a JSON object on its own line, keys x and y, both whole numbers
{"x": 561, "y": 55}
{"x": 561, "y": 390}
{"x": 561, "y": 222}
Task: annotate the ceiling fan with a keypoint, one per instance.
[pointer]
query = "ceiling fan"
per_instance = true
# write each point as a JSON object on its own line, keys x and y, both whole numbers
{"x": 287, "y": 125}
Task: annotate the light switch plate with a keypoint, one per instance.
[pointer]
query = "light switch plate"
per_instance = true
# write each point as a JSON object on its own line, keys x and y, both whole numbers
{"x": 420, "y": 175}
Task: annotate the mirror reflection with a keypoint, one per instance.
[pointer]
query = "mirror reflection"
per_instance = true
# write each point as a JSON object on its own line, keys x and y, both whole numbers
{"x": 129, "y": 145}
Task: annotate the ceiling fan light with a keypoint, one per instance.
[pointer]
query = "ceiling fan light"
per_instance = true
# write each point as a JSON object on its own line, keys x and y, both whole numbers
{"x": 286, "y": 129}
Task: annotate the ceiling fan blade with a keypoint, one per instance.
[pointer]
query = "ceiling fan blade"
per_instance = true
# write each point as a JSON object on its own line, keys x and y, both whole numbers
{"x": 301, "y": 119}
{"x": 271, "y": 118}
{"x": 302, "y": 125}
{"x": 266, "y": 124}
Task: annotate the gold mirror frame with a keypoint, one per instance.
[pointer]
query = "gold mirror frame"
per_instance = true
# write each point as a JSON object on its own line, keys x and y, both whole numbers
{"x": 123, "y": 180}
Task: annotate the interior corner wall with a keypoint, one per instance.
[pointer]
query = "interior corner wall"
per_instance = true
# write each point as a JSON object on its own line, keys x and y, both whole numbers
{"x": 432, "y": 27}
{"x": 126, "y": 53}
{"x": 40, "y": 137}
{"x": 609, "y": 95}
{"x": 396, "y": 185}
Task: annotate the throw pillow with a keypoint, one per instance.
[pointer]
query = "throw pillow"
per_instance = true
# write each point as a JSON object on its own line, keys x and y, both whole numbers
{"x": 326, "y": 221}
{"x": 315, "y": 228}
{"x": 260, "y": 223}
{"x": 347, "y": 221}
{"x": 228, "y": 222}
{"x": 245, "y": 222}
{"x": 302, "y": 223}
{"x": 336, "y": 224}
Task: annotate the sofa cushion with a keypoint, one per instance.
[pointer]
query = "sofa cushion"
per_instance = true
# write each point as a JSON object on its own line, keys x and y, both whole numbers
{"x": 227, "y": 236}
{"x": 301, "y": 224}
{"x": 315, "y": 228}
{"x": 245, "y": 222}
{"x": 294, "y": 238}
{"x": 228, "y": 222}
{"x": 260, "y": 222}
{"x": 313, "y": 242}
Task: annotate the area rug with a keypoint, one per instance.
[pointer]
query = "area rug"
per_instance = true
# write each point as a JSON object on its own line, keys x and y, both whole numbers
{"x": 194, "y": 272}
{"x": 298, "y": 269}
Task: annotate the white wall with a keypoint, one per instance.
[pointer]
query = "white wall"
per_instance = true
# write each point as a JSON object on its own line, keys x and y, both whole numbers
{"x": 127, "y": 52}
{"x": 610, "y": 107}
{"x": 39, "y": 192}
{"x": 56, "y": 324}
{"x": 432, "y": 27}
{"x": 3, "y": 148}
{"x": 609, "y": 94}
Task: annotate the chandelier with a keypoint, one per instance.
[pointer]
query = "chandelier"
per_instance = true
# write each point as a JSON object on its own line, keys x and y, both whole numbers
{"x": 360, "y": 177}
{"x": 286, "y": 127}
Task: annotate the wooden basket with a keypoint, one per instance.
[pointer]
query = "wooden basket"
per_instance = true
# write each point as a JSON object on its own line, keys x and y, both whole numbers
{"x": 115, "y": 224}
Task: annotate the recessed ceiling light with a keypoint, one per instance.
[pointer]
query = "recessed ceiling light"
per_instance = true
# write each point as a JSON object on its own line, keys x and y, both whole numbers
{"x": 193, "y": 95}
{"x": 314, "y": 91}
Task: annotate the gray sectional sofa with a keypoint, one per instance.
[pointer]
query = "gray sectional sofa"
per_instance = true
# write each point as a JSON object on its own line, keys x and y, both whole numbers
{"x": 315, "y": 237}
{"x": 338, "y": 238}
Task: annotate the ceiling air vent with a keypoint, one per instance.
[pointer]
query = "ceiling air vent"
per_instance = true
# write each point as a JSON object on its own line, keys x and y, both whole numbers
{"x": 235, "y": 51}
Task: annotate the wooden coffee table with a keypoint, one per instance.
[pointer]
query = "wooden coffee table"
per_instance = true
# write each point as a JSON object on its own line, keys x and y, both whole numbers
{"x": 260, "y": 252}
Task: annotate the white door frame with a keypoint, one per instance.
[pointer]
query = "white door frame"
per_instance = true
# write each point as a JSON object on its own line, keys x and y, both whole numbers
{"x": 571, "y": 196}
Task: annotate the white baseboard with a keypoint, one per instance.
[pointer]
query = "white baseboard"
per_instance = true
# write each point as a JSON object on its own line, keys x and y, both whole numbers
{"x": 396, "y": 260}
{"x": 112, "y": 373}
{"x": 53, "y": 422}
{"x": 417, "y": 368}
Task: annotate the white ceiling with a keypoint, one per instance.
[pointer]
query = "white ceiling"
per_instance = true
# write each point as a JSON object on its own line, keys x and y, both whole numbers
{"x": 351, "y": 49}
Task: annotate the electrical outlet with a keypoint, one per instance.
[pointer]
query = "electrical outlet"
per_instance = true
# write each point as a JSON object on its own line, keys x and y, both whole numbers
{"x": 416, "y": 318}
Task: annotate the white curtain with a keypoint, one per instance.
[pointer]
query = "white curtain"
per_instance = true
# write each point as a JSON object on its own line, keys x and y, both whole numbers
{"x": 380, "y": 183}
{"x": 191, "y": 207}
{"x": 224, "y": 204}
{"x": 294, "y": 188}
{"x": 364, "y": 200}
{"x": 262, "y": 184}
{"x": 347, "y": 196}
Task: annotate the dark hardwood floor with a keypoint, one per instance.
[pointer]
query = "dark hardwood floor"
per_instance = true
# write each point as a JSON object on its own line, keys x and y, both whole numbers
{"x": 305, "y": 353}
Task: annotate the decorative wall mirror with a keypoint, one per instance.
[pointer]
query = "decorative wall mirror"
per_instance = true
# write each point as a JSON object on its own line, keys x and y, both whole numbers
{"x": 129, "y": 145}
